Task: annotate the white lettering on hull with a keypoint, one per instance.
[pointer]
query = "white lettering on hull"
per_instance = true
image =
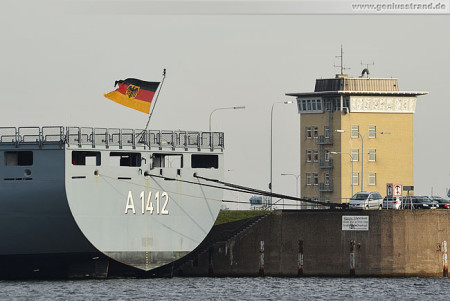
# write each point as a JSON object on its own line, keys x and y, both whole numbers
{"x": 147, "y": 204}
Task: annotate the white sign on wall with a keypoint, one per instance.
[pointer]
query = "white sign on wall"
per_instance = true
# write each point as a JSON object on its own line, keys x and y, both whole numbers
{"x": 355, "y": 223}
{"x": 386, "y": 104}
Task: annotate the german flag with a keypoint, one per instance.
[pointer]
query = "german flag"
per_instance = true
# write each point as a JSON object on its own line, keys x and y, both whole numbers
{"x": 134, "y": 93}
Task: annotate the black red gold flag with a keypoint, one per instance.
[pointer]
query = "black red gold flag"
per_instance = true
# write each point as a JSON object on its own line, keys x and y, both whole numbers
{"x": 134, "y": 93}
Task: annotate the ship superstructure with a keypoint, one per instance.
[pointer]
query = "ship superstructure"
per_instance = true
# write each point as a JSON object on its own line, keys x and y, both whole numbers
{"x": 83, "y": 198}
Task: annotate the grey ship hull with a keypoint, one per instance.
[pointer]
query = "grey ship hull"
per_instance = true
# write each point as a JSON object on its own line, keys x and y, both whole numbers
{"x": 105, "y": 217}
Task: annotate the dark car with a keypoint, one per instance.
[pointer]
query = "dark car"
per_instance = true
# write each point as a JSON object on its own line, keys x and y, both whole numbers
{"x": 418, "y": 202}
{"x": 443, "y": 203}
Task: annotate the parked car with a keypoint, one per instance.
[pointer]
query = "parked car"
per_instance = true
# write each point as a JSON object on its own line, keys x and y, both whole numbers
{"x": 366, "y": 200}
{"x": 443, "y": 203}
{"x": 418, "y": 202}
{"x": 391, "y": 202}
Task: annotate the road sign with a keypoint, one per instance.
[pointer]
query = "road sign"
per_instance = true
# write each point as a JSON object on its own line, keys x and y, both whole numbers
{"x": 408, "y": 188}
{"x": 398, "y": 190}
{"x": 394, "y": 190}
{"x": 389, "y": 189}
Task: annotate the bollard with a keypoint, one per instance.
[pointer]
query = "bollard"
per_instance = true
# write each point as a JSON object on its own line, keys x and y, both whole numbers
{"x": 352, "y": 258}
{"x": 300, "y": 258}
{"x": 444, "y": 259}
{"x": 261, "y": 258}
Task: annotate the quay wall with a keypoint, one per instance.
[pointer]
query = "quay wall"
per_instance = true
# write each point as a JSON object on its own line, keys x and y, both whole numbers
{"x": 313, "y": 243}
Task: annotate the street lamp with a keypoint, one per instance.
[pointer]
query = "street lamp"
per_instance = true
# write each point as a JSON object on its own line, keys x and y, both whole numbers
{"x": 228, "y": 108}
{"x": 297, "y": 183}
{"x": 271, "y": 144}
{"x": 351, "y": 159}
{"x": 362, "y": 153}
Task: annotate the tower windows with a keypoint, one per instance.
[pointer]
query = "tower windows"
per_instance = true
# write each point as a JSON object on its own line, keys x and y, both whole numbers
{"x": 372, "y": 131}
{"x": 372, "y": 155}
{"x": 355, "y": 131}
{"x": 308, "y": 179}
{"x": 327, "y": 155}
{"x": 316, "y": 179}
{"x": 316, "y": 156}
{"x": 372, "y": 178}
{"x": 355, "y": 178}
{"x": 355, "y": 155}
{"x": 308, "y": 156}
{"x": 308, "y": 132}
{"x": 315, "y": 132}
{"x": 327, "y": 131}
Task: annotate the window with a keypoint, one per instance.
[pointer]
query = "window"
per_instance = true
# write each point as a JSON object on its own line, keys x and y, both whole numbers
{"x": 372, "y": 178}
{"x": 372, "y": 155}
{"x": 315, "y": 132}
{"x": 125, "y": 159}
{"x": 23, "y": 158}
{"x": 176, "y": 161}
{"x": 86, "y": 158}
{"x": 308, "y": 156}
{"x": 329, "y": 105}
{"x": 355, "y": 131}
{"x": 327, "y": 131}
{"x": 355, "y": 155}
{"x": 314, "y": 108}
{"x": 319, "y": 105}
{"x": 308, "y": 104}
{"x": 204, "y": 161}
{"x": 303, "y": 105}
{"x": 316, "y": 179}
{"x": 327, "y": 179}
{"x": 308, "y": 179}
{"x": 327, "y": 155}
{"x": 355, "y": 178}
{"x": 372, "y": 131}
{"x": 337, "y": 104}
{"x": 316, "y": 156}
{"x": 308, "y": 132}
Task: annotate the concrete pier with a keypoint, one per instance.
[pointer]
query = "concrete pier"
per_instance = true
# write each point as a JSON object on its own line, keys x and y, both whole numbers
{"x": 324, "y": 243}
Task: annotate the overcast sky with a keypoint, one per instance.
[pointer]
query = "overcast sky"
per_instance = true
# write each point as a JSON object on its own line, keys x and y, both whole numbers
{"x": 56, "y": 64}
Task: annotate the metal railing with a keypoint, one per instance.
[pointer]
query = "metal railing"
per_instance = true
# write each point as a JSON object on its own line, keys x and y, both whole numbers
{"x": 324, "y": 140}
{"x": 326, "y": 187}
{"x": 87, "y": 136}
{"x": 325, "y": 164}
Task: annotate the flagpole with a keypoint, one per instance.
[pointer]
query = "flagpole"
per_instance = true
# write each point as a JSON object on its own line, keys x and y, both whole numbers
{"x": 156, "y": 99}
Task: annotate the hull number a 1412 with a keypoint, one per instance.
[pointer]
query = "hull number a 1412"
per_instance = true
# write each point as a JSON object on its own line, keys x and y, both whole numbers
{"x": 153, "y": 203}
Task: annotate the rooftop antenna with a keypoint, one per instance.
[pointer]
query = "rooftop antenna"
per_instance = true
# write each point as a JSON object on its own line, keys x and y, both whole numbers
{"x": 342, "y": 62}
{"x": 366, "y": 70}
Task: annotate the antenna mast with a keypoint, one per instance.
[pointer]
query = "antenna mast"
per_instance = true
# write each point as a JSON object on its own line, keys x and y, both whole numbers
{"x": 342, "y": 62}
{"x": 366, "y": 70}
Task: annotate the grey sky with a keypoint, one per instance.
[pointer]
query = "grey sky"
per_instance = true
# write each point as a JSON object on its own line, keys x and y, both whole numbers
{"x": 55, "y": 66}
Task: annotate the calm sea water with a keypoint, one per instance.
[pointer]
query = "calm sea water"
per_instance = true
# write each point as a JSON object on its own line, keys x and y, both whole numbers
{"x": 230, "y": 289}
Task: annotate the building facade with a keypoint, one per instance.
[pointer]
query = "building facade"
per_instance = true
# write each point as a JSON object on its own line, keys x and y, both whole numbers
{"x": 356, "y": 135}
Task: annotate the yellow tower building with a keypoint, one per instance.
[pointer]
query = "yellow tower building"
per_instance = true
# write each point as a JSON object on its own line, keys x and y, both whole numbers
{"x": 356, "y": 135}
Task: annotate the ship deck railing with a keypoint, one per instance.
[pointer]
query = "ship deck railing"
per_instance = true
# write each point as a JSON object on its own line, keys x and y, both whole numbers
{"x": 111, "y": 137}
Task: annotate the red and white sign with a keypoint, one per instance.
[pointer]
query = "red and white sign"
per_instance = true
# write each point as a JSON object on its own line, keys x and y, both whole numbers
{"x": 398, "y": 190}
{"x": 395, "y": 190}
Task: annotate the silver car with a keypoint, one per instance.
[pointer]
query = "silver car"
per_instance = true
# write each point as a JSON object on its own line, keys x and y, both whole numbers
{"x": 392, "y": 202}
{"x": 366, "y": 200}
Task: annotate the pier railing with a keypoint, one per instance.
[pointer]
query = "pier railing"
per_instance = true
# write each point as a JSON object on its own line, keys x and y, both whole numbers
{"x": 89, "y": 136}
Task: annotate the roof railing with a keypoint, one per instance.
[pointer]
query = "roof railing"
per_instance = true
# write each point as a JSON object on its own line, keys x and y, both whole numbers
{"x": 108, "y": 137}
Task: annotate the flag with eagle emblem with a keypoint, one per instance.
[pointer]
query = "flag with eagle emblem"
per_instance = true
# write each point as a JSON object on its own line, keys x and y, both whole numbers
{"x": 134, "y": 93}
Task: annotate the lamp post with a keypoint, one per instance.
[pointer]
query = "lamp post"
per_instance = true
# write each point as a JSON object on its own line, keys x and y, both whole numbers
{"x": 297, "y": 183}
{"x": 271, "y": 144}
{"x": 351, "y": 159}
{"x": 227, "y": 108}
{"x": 362, "y": 154}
